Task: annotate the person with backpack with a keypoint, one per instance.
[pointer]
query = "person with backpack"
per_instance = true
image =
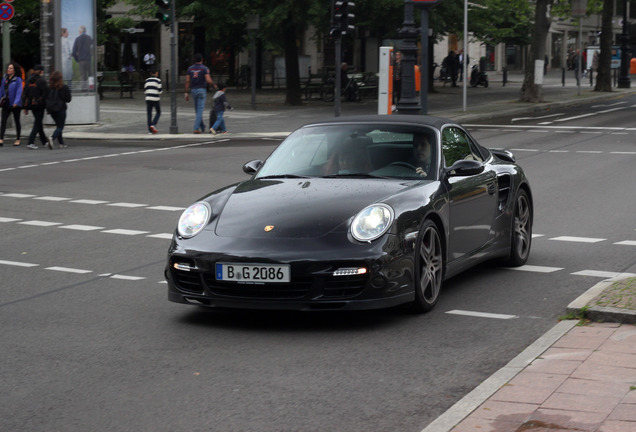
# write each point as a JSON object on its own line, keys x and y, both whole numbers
{"x": 34, "y": 100}
{"x": 59, "y": 95}
{"x": 10, "y": 100}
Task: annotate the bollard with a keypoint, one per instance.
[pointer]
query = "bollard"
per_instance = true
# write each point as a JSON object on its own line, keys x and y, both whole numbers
{"x": 563, "y": 77}
{"x": 505, "y": 76}
{"x": 591, "y": 77}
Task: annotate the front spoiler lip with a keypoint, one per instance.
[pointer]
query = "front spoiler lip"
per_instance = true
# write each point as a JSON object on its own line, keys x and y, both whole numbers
{"x": 290, "y": 305}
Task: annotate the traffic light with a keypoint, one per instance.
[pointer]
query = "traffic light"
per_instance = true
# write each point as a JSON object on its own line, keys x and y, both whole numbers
{"x": 163, "y": 15}
{"x": 342, "y": 16}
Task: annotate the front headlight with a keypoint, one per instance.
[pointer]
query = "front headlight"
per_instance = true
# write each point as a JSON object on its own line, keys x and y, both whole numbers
{"x": 372, "y": 222}
{"x": 194, "y": 219}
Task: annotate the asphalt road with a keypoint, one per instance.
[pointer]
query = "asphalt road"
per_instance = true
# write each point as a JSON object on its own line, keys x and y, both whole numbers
{"x": 90, "y": 342}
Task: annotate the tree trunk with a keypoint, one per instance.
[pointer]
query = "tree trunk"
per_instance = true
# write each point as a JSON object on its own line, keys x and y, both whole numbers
{"x": 531, "y": 92}
{"x": 604, "y": 76}
{"x": 292, "y": 74}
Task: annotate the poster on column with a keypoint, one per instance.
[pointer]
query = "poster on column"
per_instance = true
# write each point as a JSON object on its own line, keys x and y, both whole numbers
{"x": 78, "y": 45}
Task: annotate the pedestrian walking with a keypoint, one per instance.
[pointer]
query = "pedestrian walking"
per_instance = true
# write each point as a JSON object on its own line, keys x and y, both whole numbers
{"x": 397, "y": 77}
{"x": 153, "y": 90}
{"x": 59, "y": 95}
{"x": 197, "y": 79}
{"x": 34, "y": 100}
{"x": 220, "y": 105}
{"x": 10, "y": 100}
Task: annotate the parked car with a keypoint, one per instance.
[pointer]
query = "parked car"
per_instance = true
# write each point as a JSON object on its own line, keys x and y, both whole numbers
{"x": 353, "y": 213}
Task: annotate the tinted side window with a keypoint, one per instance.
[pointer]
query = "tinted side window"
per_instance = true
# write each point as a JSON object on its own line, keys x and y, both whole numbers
{"x": 456, "y": 146}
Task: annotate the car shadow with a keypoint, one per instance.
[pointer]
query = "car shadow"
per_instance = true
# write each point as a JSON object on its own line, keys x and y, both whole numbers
{"x": 286, "y": 321}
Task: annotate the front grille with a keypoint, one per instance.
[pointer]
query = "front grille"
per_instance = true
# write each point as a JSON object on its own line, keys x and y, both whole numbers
{"x": 295, "y": 290}
{"x": 344, "y": 286}
{"x": 325, "y": 287}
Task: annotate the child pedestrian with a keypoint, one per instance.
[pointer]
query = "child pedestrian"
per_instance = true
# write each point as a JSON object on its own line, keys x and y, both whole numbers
{"x": 220, "y": 104}
{"x": 152, "y": 90}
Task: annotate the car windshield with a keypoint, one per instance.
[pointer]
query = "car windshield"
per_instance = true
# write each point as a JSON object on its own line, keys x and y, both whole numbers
{"x": 356, "y": 151}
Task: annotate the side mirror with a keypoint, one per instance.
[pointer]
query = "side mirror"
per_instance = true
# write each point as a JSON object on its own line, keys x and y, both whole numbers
{"x": 252, "y": 166}
{"x": 464, "y": 167}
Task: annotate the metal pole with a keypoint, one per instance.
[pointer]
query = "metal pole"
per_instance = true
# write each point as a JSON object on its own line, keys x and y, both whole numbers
{"x": 174, "y": 128}
{"x": 409, "y": 103}
{"x": 465, "y": 57}
{"x": 424, "y": 68}
{"x": 253, "y": 64}
{"x": 578, "y": 66}
{"x": 623, "y": 80}
{"x": 336, "y": 96}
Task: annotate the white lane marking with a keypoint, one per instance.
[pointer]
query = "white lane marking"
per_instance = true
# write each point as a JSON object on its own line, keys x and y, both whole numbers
{"x": 561, "y": 127}
{"x": 124, "y": 277}
{"x": 18, "y": 195}
{"x": 88, "y": 201}
{"x": 626, "y": 243}
{"x": 611, "y": 110}
{"x": 538, "y": 269}
{"x": 578, "y": 239}
{"x": 127, "y": 205}
{"x": 575, "y": 117}
{"x": 82, "y": 227}
{"x": 623, "y": 153}
{"x": 604, "y": 274}
{"x": 481, "y": 314}
{"x": 6, "y": 219}
{"x": 161, "y": 236}
{"x": 589, "y": 151}
{"x": 51, "y": 198}
{"x": 68, "y": 270}
{"x": 608, "y": 105}
{"x": 166, "y": 208}
{"x": 18, "y": 263}
{"x": 26, "y": 166}
{"x": 537, "y": 235}
{"x": 125, "y": 232}
{"x": 537, "y": 118}
{"x": 40, "y": 223}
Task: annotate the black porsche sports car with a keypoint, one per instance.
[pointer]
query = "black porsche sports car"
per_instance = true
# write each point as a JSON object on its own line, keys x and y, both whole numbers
{"x": 353, "y": 213}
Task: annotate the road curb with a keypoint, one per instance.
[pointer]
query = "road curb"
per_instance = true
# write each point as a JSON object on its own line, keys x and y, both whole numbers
{"x": 581, "y": 306}
{"x": 469, "y": 403}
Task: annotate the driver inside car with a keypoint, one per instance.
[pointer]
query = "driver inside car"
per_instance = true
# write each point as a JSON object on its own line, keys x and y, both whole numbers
{"x": 421, "y": 157}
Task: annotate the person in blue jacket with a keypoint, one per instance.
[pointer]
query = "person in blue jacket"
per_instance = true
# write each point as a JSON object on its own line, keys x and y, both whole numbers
{"x": 220, "y": 104}
{"x": 10, "y": 97}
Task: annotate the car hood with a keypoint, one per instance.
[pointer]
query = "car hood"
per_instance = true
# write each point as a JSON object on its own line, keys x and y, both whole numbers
{"x": 298, "y": 208}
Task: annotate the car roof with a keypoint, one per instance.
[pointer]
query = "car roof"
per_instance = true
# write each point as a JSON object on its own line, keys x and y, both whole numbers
{"x": 414, "y": 120}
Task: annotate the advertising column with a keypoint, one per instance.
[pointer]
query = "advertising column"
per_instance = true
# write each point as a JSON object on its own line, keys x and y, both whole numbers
{"x": 76, "y": 58}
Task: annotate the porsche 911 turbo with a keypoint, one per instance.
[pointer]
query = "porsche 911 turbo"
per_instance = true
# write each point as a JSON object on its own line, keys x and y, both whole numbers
{"x": 353, "y": 213}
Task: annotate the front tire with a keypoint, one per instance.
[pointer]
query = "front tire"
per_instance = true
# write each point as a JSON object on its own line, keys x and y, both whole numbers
{"x": 429, "y": 268}
{"x": 521, "y": 235}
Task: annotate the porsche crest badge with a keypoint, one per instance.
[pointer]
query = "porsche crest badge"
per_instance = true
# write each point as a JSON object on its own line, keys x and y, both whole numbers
{"x": 268, "y": 228}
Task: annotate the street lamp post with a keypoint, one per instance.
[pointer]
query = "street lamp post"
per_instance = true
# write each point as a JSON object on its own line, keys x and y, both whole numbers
{"x": 409, "y": 102}
{"x": 623, "y": 80}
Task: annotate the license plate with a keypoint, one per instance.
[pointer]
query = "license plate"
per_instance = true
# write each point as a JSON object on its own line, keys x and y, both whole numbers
{"x": 263, "y": 273}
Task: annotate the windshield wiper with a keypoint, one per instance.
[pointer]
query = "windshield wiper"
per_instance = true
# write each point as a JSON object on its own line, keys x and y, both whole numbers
{"x": 353, "y": 175}
{"x": 275, "y": 176}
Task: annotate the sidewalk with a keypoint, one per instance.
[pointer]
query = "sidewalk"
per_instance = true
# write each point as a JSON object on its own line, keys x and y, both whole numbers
{"x": 126, "y": 118}
{"x": 574, "y": 378}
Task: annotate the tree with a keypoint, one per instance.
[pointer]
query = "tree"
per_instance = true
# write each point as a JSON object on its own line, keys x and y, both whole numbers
{"x": 531, "y": 92}
{"x": 604, "y": 77}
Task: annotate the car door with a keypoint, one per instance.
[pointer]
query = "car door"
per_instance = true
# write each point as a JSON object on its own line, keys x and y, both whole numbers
{"x": 472, "y": 198}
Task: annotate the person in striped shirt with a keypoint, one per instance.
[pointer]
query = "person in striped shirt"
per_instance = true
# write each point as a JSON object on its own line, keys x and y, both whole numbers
{"x": 153, "y": 90}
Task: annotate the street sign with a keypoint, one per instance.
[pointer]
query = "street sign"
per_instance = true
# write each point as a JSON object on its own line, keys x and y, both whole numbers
{"x": 6, "y": 11}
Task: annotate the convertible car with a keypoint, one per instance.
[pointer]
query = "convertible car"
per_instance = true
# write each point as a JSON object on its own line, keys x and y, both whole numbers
{"x": 353, "y": 213}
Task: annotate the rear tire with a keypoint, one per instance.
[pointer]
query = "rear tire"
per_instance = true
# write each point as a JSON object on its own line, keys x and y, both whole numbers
{"x": 521, "y": 235}
{"x": 429, "y": 268}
